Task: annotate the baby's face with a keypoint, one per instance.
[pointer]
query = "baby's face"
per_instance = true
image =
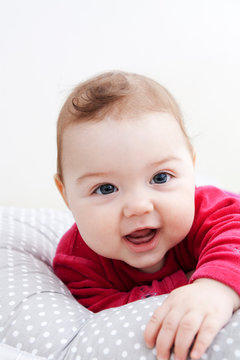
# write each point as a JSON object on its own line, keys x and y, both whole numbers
{"x": 130, "y": 186}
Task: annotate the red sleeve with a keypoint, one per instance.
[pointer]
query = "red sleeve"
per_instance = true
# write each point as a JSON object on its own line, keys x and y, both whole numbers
{"x": 96, "y": 281}
{"x": 215, "y": 236}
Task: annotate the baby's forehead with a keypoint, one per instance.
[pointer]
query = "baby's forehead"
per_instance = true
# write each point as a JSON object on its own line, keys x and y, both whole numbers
{"x": 127, "y": 144}
{"x": 127, "y": 124}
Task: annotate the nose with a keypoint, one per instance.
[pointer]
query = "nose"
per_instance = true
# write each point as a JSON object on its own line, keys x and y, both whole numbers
{"x": 137, "y": 206}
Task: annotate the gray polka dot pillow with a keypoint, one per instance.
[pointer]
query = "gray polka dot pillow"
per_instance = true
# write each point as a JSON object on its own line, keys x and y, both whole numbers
{"x": 39, "y": 319}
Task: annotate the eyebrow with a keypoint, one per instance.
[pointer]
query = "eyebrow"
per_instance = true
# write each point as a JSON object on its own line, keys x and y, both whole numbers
{"x": 165, "y": 160}
{"x": 89, "y": 175}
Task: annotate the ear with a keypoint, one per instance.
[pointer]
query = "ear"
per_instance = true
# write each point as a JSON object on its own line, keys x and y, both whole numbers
{"x": 194, "y": 156}
{"x": 61, "y": 188}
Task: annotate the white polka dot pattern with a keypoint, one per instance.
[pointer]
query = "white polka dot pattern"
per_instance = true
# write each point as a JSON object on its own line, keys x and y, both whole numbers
{"x": 39, "y": 319}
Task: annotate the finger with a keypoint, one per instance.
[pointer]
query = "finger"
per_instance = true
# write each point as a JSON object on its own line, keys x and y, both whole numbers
{"x": 186, "y": 332}
{"x": 167, "y": 333}
{"x": 154, "y": 324}
{"x": 208, "y": 330}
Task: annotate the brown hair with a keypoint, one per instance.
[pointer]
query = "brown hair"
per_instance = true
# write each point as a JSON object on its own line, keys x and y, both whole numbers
{"x": 117, "y": 93}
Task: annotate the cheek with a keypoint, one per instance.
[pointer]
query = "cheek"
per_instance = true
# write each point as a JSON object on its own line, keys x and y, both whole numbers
{"x": 180, "y": 216}
{"x": 97, "y": 228}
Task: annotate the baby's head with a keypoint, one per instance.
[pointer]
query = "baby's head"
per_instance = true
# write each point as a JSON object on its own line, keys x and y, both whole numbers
{"x": 120, "y": 95}
{"x": 125, "y": 168}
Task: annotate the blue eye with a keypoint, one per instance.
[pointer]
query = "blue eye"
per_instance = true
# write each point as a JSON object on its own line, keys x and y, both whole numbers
{"x": 161, "y": 178}
{"x": 106, "y": 189}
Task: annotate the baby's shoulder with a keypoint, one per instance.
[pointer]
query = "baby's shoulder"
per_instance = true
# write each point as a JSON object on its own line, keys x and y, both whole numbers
{"x": 211, "y": 200}
{"x": 68, "y": 240}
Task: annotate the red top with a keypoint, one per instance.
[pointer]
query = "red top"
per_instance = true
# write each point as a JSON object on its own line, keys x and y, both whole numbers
{"x": 212, "y": 247}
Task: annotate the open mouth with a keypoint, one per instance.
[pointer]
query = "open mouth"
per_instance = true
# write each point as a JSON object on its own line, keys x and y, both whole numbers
{"x": 142, "y": 236}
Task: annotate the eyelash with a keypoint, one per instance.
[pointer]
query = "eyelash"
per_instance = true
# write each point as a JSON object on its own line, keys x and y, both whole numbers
{"x": 110, "y": 188}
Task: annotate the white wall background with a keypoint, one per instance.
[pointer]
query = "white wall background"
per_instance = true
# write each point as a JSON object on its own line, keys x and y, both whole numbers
{"x": 48, "y": 46}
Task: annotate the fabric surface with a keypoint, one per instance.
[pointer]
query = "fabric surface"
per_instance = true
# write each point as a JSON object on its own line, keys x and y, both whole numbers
{"x": 212, "y": 247}
{"x": 39, "y": 318}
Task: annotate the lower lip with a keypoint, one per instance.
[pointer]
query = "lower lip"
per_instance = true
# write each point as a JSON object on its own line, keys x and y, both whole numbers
{"x": 147, "y": 246}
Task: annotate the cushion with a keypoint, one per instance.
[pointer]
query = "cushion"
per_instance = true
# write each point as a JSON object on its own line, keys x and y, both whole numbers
{"x": 39, "y": 318}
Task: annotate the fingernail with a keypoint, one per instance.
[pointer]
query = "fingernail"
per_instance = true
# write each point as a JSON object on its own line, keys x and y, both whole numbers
{"x": 195, "y": 355}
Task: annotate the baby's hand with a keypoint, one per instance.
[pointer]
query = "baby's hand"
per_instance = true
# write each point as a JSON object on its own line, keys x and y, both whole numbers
{"x": 197, "y": 310}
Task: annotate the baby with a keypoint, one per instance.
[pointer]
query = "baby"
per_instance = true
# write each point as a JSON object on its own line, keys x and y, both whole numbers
{"x": 126, "y": 172}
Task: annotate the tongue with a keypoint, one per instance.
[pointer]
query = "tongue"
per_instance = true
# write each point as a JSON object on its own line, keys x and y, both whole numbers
{"x": 141, "y": 236}
{"x": 140, "y": 233}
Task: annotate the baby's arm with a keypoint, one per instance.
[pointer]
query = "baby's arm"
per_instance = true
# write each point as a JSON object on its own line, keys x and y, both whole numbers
{"x": 198, "y": 310}
{"x": 193, "y": 314}
{"x": 96, "y": 292}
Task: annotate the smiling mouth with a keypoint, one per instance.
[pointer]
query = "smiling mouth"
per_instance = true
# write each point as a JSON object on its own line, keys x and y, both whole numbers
{"x": 142, "y": 236}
